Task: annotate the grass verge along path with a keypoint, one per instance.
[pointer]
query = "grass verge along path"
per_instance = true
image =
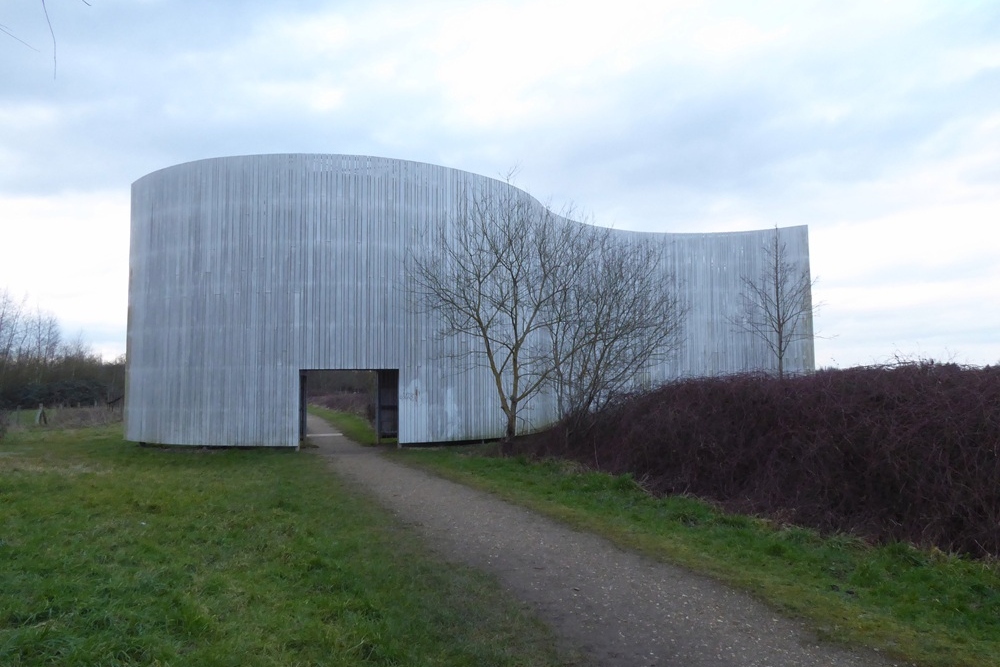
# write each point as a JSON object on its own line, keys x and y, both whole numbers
{"x": 112, "y": 554}
{"x": 351, "y": 425}
{"x": 927, "y": 607}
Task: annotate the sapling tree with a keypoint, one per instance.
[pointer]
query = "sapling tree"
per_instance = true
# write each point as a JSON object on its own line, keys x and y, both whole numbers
{"x": 776, "y": 304}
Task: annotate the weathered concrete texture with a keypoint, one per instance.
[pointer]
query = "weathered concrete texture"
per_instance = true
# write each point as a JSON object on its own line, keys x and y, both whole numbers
{"x": 620, "y": 608}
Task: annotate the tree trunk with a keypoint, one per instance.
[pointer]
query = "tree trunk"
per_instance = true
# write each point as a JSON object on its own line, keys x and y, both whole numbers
{"x": 510, "y": 431}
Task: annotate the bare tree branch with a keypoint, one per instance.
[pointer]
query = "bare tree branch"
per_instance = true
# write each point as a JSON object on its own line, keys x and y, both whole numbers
{"x": 620, "y": 316}
{"x": 5, "y": 30}
{"x": 48, "y": 22}
{"x": 52, "y": 32}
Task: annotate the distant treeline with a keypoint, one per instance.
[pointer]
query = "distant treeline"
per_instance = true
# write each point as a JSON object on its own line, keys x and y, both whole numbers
{"x": 324, "y": 382}
{"x": 909, "y": 452}
{"x": 38, "y": 366}
{"x": 344, "y": 391}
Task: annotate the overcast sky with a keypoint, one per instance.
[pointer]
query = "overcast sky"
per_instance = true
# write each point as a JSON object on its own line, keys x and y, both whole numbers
{"x": 875, "y": 123}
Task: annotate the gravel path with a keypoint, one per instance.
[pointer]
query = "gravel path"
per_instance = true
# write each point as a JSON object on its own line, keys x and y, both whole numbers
{"x": 617, "y": 607}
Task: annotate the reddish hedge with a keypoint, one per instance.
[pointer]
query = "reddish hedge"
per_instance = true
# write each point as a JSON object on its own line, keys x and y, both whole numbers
{"x": 908, "y": 452}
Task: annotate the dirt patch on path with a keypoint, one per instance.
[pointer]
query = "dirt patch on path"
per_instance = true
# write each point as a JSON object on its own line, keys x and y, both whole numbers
{"x": 619, "y": 608}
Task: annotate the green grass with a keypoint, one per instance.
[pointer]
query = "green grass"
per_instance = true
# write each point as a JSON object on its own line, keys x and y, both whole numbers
{"x": 351, "y": 425}
{"x": 928, "y": 607}
{"x": 112, "y": 554}
{"x": 66, "y": 417}
{"x": 22, "y": 418}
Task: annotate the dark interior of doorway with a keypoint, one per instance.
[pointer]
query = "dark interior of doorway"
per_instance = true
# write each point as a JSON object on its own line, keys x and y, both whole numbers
{"x": 372, "y": 394}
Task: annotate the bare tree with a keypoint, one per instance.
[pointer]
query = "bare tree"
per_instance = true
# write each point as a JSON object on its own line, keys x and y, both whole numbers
{"x": 42, "y": 342}
{"x": 39, "y": 365}
{"x": 776, "y": 304}
{"x": 11, "y": 328}
{"x": 620, "y": 315}
{"x": 26, "y": 337}
{"x": 76, "y": 355}
{"x": 492, "y": 278}
{"x": 11, "y": 311}
{"x": 549, "y": 303}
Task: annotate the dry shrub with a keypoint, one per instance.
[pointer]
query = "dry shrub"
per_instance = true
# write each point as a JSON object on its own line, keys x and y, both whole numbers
{"x": 358, "y": 403}
{"x": 82, "y": 417}
{"x": 906, "y": 452}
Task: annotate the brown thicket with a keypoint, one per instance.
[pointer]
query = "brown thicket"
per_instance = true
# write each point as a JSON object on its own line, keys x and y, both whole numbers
{"x": 909, "y": 452}
{"x": 358, "y": 403}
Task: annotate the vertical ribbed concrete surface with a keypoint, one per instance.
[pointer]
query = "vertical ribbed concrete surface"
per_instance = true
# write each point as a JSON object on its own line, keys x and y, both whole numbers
{"x": 245, "y": 270}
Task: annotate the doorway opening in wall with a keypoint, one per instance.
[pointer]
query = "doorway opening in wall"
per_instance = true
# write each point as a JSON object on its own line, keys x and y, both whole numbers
{"x": 369, "y": 394}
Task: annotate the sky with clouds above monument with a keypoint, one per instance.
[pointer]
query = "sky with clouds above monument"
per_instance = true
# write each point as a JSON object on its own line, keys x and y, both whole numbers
{"x": 875, "y": 123}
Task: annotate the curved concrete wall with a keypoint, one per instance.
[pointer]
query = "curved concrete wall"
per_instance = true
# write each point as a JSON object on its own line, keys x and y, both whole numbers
{"x": 246, "y": 270}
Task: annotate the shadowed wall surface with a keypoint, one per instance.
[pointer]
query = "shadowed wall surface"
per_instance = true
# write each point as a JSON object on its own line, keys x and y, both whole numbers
{"x": 246, "y": 270}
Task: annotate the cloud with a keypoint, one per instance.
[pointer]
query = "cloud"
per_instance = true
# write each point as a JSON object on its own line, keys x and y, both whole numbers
{"x": 69, "y": 255}
{"x": 875, "y": 123}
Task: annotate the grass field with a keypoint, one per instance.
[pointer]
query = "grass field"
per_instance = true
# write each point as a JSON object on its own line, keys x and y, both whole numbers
{"x": 112, "y": 554}
{"x": 65, "y": 417}
{"x": 928, "y": 607}
{"x": 351, "y": 425}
